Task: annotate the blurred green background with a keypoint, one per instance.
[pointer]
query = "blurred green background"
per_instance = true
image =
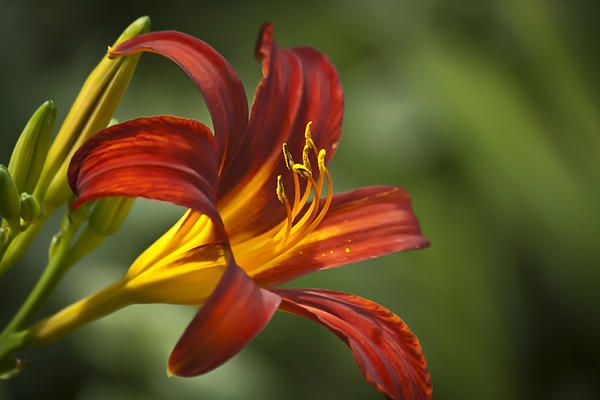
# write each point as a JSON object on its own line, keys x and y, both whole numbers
{"x": 487, "y": 112}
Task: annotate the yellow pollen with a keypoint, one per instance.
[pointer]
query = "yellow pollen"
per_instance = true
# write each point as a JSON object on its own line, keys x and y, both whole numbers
{"x": 280, "y": 191}
{"x": 347, "y": 250}
{"x": 308, "y": 137}
{"x": 306, "y": 157}
{"x": 302, "y": 170}
{"x": 323, "y": 254}
{"x": 307, "y": 134}
{"x": 330, "y": 251}
{"x": 287, "y": 157}
{"x": 321, "y": 160}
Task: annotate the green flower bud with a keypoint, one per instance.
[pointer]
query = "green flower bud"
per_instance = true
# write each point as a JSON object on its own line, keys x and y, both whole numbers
{"x": 109, "y": 214}
{"x": 92, "y": 110}
{"x": 30, "y": 208}
{"x": 10, "y": 202}
{"x": 30, "y": 152}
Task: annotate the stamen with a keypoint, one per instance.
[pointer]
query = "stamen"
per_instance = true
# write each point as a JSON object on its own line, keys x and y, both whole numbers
{"x": 298, "y": 207}
{"x": 307, "y": 225}
{"x": 280, "y": 191}
{"x": 302, "y": 170}
{"x": 301, "y": 220}
{"x": 287, "y": 157}
{"x": 283, "y": 198}
{"x": 321, "y": 161}
{"x": 308, "y": 137}
{"x": 278, "y": 233}
{"x": 306, "y": 156}
{"x": 325, "y": 208}
{"x": 296, "y": 192}
{"x": 307, "y": 134}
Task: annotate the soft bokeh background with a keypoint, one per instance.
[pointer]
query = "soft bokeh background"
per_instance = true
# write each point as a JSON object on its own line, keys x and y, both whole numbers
{"x": 488, "y": 112}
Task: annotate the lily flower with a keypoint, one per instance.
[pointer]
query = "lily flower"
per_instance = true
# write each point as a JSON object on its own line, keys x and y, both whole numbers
{"x": 261, "y": 211}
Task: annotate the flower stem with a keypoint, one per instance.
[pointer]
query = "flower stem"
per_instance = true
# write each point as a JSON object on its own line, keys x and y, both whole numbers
{"x": 3, "y": 247}
{"x": 58, "y": 264}
{"x": 76, "y": 315}
{"x": 47, "y": 282}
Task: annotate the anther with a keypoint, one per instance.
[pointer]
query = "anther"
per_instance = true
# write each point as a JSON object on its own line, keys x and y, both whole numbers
{"x": 308, "y": 137}
{"x": 321, "y": 160}
{"x": 302, "y": 170}
{"x": 305, "y": 156}
{"x": 280, "y": 191}
{"x": 287, "y": 157}
{"x": 307, "y": 134}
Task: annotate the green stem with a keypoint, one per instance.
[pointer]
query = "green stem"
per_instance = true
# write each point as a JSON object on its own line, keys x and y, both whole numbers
{"x": 57, "y": 266}
{"x": 9, "y": 343}
{"x": 3, "y": 247}
{"x": 52, "y": 275}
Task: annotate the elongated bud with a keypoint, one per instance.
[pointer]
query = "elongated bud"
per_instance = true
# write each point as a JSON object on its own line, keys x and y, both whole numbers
{"x": 30, "y": 208}
{"x": 109, "y": 214}
{"x": 10, "y": 202}
{"x": 30, "y": 152}
{"x": 92, "y": 110}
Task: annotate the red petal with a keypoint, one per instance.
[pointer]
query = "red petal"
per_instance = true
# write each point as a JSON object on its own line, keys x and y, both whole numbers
{"x": 233, "y": 315}
{"x": 161, "y": 158}
{"x": 386, "y": 351}
{"x": 360, "y": 224}
{"x": 299, "y": 85}
{"x": 212, "y": 74}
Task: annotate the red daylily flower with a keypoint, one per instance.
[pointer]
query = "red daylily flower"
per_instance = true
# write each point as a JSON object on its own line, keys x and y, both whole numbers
{"x": 242, "y": 233}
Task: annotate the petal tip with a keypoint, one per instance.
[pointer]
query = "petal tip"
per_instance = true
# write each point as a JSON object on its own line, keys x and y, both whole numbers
{"x": 264, "y": 40}
{"x": 170, "y": 372}
{"x": 423, "y": 244}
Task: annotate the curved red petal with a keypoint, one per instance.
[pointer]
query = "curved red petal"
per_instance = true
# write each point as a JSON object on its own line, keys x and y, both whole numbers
{"x": 387, "y": 352}
{"x": 361, "y": 224}
{"x": 233, "y": 315}
{"x": 212, "y": 74}
{"x": 299, "y": 85}
{"x": 162, "y": 158}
